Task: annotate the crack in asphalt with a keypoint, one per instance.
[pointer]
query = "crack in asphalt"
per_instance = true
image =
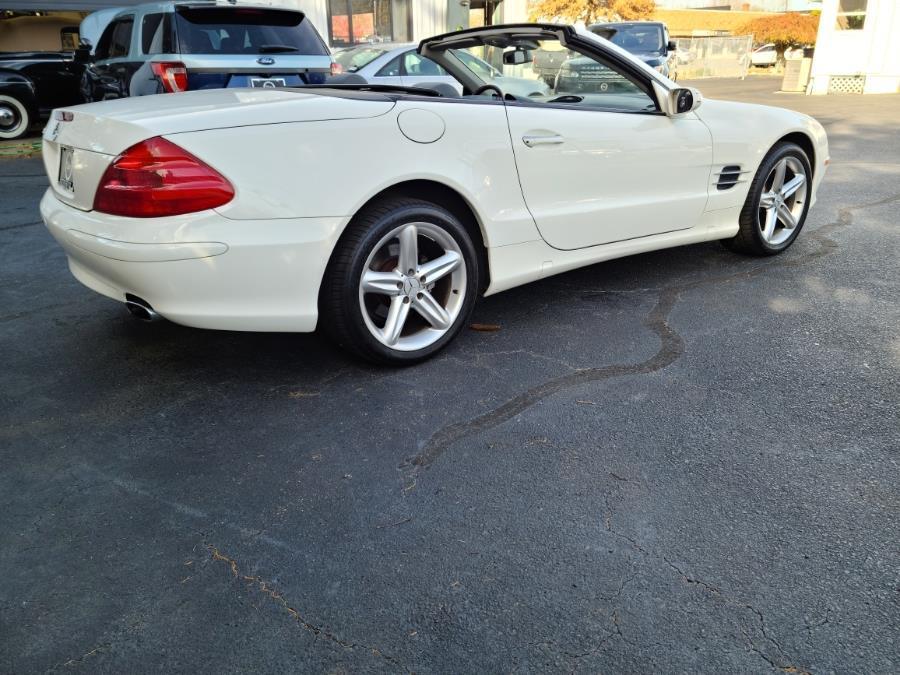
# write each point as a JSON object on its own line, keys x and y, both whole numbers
{"x": 657, "y": 320}
{"x": 15, "y": 227}
{"x": 319, "y": 631}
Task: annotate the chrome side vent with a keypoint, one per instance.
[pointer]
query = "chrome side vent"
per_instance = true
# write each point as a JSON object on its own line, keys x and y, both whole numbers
{"x": 729, "y": 176}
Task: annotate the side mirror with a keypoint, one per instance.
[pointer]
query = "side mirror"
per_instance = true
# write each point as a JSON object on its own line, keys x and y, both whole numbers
{"x": 683, "y": 100}
{"x": 515, "y": 58}
{"x": 671, "y": 46}
{"x": 83, "y": 54}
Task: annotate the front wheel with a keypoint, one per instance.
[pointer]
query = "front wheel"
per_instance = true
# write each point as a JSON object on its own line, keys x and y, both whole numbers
{"x": 777, "y": 203}
{"x": 14, "y": 118}
{"x": 401, "y": 282}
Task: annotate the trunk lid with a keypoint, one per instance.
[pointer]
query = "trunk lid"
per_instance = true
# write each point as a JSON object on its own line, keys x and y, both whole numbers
{"x": 80, "y": 142}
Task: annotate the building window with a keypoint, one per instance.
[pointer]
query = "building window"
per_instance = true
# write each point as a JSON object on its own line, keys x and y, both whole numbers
{"x": 351, "y": 22}
{"x": 851, "y": 14}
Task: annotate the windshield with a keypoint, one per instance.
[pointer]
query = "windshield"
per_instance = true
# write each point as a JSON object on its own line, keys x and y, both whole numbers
{"x": 357, "y": 57}
{"x": 637, "y": 38}
{"x": 240, "y": 30}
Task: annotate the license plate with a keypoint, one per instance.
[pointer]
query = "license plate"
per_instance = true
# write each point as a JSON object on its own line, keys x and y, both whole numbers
{"x": 267, "y": 82}
{"x": 66, "y": 178}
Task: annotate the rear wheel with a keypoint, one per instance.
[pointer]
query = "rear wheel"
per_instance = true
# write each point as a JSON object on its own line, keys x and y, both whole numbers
{"x": 14, "y": 118}
{"x": 777, "y": 203}
{"x": 401, "y": 283}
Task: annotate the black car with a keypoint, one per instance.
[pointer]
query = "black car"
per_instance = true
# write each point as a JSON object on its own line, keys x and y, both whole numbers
{"x": 647, "y": 40}
{"x": 34, "y": 83}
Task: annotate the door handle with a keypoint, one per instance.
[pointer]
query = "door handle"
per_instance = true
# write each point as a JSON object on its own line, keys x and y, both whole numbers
{"x": 532, "y": 141}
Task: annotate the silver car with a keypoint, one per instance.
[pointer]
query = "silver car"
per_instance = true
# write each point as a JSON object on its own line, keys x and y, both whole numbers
{"x": 399, "y": 64}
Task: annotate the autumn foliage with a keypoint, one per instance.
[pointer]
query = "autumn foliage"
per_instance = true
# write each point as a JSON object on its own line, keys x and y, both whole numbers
{"x": 783, "y": 30}
{"x": 591, "y": 11}
{"x": 632, "y": 10}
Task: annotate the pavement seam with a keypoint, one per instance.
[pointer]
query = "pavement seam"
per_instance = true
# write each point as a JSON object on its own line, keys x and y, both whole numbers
{"x": 670, "y": 349}
{"x": 267, "y": 589}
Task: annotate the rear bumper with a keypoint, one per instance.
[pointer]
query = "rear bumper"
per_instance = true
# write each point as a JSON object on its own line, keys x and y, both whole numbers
{"x": 202, "y": 270}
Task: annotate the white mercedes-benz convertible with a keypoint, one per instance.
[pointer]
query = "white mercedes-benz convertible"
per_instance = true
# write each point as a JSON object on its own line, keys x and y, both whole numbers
{"x": 381, "y": 212}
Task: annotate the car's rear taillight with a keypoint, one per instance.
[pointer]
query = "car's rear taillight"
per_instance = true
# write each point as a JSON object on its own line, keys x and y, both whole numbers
{"x": 172, "y": 75}
{"x": 336, "y": 68}
{"x": 157, "y": 178}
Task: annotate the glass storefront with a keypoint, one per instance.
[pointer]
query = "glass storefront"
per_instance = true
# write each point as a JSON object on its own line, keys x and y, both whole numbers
{"x": 351, "y": 22}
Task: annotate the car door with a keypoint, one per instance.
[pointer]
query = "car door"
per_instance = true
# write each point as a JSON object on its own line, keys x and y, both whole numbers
{"x": 599, "y": 163}
{"x": 110, "y": 73}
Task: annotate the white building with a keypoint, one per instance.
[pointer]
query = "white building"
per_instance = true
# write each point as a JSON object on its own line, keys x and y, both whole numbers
{"x": 857, "y": 48}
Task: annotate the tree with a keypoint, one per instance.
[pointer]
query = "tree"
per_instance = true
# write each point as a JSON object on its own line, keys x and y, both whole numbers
{"x": 783, "y": 30}
{"x": 588, "y": 11}
{"x": 591, "y": 11}
{"x": 633, "y": 10}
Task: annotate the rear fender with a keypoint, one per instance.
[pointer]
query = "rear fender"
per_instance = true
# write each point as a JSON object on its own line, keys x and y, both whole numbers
{"x": 19, "y": 87}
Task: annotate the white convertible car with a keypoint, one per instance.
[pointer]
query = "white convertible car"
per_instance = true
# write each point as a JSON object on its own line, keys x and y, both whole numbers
{"x": 380, "y": 213}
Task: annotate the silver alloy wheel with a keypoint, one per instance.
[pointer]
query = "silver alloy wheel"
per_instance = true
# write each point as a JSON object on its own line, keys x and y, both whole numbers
{"x": 417, "y": 266}
{"x": 782, "y": 201}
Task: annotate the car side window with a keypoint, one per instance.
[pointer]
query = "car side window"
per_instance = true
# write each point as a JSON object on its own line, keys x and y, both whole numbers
{"x": 544, "y": 72}
{"x": 155, "y": 34}
{"x": 418, "y": 66}
{"x": 120, "y": 41}
{"x": 392, "y": 69}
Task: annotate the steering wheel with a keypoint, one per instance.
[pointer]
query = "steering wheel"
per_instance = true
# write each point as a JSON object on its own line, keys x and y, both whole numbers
{"x": 483, "y": 88}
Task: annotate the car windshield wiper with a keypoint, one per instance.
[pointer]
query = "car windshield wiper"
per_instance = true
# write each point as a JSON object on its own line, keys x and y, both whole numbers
{"x": 277, "y": 49}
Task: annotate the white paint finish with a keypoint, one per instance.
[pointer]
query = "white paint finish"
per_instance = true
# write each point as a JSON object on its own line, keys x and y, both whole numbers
{"x": 306, "y": 176}
{"x": 523, "y": 263}
{"x": 609, "y": 176}
{"x": 744, "y": 133}
{"x": 127, "y": 251}
{"x": 109, "y": 127}
{"x": 421, "y": 126}
{"x": 268, "y": 280}
{"x": 88, "y": 168}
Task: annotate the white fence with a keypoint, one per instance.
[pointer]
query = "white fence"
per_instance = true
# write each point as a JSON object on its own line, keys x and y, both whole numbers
{"x": 713, "y": 56}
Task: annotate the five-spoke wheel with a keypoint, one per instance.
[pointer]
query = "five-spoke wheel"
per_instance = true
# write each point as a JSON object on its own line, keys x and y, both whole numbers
{"x": 401, "y": 282}
{"x": 776, "y": 204}
{"x": 412, "y": 286}
{"x": 782, "y": 203}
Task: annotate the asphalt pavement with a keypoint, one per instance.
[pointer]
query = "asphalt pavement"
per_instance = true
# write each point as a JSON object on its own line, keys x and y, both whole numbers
{"x": 680, "y": 461}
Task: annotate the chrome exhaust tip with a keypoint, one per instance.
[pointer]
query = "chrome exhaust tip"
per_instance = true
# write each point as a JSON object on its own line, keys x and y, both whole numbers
{"x": 140, "y": 308}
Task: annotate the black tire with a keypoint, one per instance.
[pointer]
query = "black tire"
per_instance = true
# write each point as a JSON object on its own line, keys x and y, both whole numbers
{"x": 749, "y": 239}
{"x": 339, "y": 304}
{"x": 20, "y": 119}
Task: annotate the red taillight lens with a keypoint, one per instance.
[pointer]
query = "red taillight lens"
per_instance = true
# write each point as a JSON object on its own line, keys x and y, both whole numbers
{"x": 172, "y": 74}
{"x": 336, "y": 68}
{"x": 157, "y": 178}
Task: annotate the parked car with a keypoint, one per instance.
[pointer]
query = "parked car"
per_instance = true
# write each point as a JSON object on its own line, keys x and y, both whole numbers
{"x": 401, "y": 64}
{"x": 31, "y": 85}
{"x": 647, "y": 40}
{"x": 766, "y": 55}
{"x": 179, "y": 46}
{"x": 381, "y": 213}
{"x": 571, "y": 72}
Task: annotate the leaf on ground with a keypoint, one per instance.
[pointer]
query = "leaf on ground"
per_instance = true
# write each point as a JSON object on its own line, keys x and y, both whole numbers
{"x": 485, "y": 327}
